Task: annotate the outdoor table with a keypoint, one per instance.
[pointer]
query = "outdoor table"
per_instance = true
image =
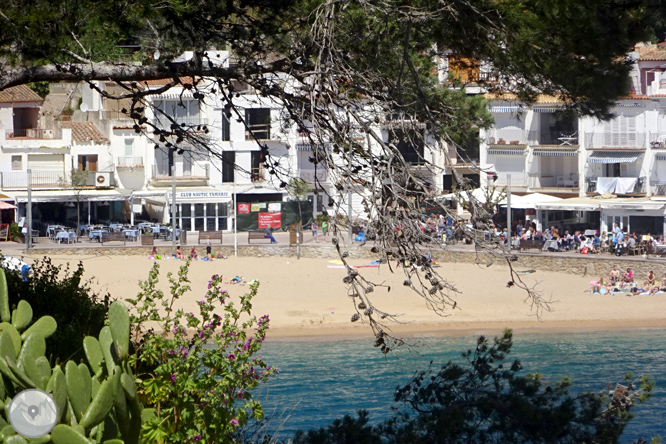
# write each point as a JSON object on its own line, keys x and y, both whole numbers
{"x": 51, "y": 230}
{"x": 551, "y": 244}
{"x": 590, "y": 232}
{"x": 116, "y": 227}
{"x": 659, "y": 250}
{"x": 131, "y": 234}
{"x": 69, "y": 237}
{"x": 96, "y": 234}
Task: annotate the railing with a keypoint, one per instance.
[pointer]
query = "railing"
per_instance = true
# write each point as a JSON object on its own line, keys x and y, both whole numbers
{"x": 129, "y": 161}
{"x": 507, "y": 137}
{"x": 564, "y": 180}
{"x": 639, "y": 188}
{"x": 518, "y": 180}
{"x": 18, "y": 180}
{"x": 657, "y": 140}
{"x": 33, "y": 133}
{"x": 260, "y": 131}
{"x": 163, "y": 121}
{"x": 193, "y": 171}
{"x": 615, "y": 140}
{"x": 658, "y": 187}
{"x": 558, "y": 138}
{"x": 312, "y": 176}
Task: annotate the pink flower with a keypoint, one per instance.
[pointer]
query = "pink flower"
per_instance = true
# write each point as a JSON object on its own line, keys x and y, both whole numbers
{"x": 234, "y": 422}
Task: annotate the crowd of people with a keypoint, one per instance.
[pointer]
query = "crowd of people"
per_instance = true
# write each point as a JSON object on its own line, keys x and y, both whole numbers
{"x": 617, "y": 282}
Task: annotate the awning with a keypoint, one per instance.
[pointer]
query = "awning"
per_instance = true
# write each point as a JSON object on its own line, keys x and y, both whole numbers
{"x": 6, "y": 206}
{"x": 506, "y": 152}
{"x": 73, "y": 196}
{"x": 573, "y": 204}
{"x": 613, "y": 157}
{"x": 633, "y": 205}
{"x": 555, "y": 152}
{"x": 505, "y": 109}
{"x": 530, "y": 200}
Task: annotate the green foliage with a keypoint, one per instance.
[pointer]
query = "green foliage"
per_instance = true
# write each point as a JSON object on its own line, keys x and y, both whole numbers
{"x": 41, "y": 88}
{"x": 61, "y": 293}
{"x": 15, "y": 232}
{"x": 196, "y": 379}
{"x": 491, "y": 400}
{"x": 92, "y": 407}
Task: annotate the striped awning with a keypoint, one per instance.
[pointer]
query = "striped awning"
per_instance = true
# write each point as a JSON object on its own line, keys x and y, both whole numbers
{"x": 546, "y": 110}
{"x": 613, "y": 157}
{"x": 505, "y": 109}
{"x": 506, "y": 152}
{"x": 554, "y": 152}
{"x": 660, "y": 157}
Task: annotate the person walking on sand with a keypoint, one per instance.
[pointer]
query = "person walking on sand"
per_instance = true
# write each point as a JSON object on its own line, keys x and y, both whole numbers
{"x": 313, "y": 227}
{"x": 324, "y": 228}
{"x": 208, "y": 249}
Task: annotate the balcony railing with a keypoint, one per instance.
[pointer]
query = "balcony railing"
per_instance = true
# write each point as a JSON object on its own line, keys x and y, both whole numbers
{"x": 518, "y": 180}
{"x": 193, "y": 171}
{"x": 33, "y": 133}
{"x": 559, "y": 138}
{"x": 564, "y": 180}
{"x": 313, "y": 176}
{"x": 128, "y": 162}
{"x": 615, "y": 140}
{"x": 639, "y": 187}
{"x": 257, "y": 174}
{"x": 507, "y": 137}
{"x": 18, "y": 180}
{"x": 188, "y": 121}
{"x": 260, "y": 131}
{"x": 658, "y": 187}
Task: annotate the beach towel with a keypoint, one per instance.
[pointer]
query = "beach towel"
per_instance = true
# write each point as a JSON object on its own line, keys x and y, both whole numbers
{"x": 601, "y": 291}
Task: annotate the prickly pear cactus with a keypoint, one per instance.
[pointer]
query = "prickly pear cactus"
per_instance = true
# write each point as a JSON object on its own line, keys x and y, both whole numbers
{"x": 97, "y": 400}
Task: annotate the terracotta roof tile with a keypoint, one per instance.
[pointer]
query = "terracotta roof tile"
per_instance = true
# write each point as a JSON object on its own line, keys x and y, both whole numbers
{"x": 651, "y": 53}
{"x": 162, "y": 82}
{"x": 21, "y": 93}
{"x": 84, "y": 132}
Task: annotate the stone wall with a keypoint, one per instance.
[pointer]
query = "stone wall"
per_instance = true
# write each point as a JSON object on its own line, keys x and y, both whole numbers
{"x": 592, "y": 265}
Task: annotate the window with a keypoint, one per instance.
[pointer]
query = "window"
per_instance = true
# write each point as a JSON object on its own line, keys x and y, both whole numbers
{"x": 17, "y": 162}
{"x": 226, "y": 127}
{"x": 185, "y": 111}
{"x": 410, "y": 144}
{"x": 257, "y": 171}
{"x": 88, "y": 162}
{"x": 129, "y": 147}
{"x": 228, "y": 166}
{"x": 258, "y": 121}
{"x": 621, "y": 132}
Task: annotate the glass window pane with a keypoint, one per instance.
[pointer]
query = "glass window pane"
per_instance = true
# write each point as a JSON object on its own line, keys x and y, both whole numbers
{"x": 210, "y": 224}
{"x": 187, "y": 210}
{"x": 198, "y": 210}
{"x": 210, "y": 209}
{"x": 199, "y": 224}
{"x": 222, "y": 223}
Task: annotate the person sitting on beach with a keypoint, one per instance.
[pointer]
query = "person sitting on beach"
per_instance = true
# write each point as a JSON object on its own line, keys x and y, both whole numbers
{"x": 660, "y": 287}
{"x": 193, "y": 253}
{"x": 614, "y": 276}
{"x": 154, "y": 253}
{"x": 179, "y": 253}
{"x": 598, "y": 285}
{"x": 651, "y": 279}
{"x": 628, "y": 276}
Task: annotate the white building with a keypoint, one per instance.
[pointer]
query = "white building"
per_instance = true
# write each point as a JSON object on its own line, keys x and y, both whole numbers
{"x": 543, "y": 149}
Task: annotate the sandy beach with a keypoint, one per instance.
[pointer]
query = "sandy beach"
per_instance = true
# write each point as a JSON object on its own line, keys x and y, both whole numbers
{"x": 307, "y": 300}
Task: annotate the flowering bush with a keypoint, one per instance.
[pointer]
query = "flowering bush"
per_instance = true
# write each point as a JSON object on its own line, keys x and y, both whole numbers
{"x": 196, "y": 371}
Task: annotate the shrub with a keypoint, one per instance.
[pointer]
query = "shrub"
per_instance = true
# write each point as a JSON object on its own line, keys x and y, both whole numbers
{"x": 196, "y": 372}
{"x": 59, "y": 292}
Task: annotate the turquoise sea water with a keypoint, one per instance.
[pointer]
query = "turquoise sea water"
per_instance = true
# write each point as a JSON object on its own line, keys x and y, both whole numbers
{"x": 322, "y": 381}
